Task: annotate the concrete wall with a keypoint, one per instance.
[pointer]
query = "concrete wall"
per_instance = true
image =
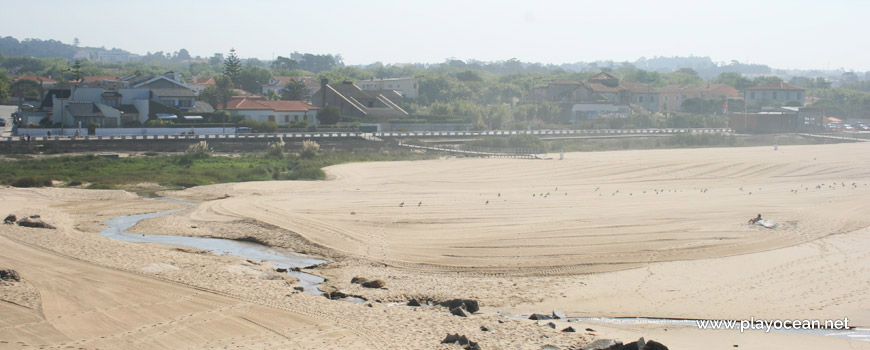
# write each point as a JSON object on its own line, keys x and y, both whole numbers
{"x": 280, "y": 117}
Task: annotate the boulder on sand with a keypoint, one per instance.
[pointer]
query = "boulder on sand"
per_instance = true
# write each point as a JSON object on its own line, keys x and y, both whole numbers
{"x": 374, "y": 284}
{"x": 10, "y": 219}
{"x": 358, "y": 280}
{"x": 35, "y": 222}
{"x": 9, "y": 275}
{"x": 471, "y": 305}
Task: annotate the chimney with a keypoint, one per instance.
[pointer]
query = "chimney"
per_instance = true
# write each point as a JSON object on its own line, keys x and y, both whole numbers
{"x": 323, "y": 83}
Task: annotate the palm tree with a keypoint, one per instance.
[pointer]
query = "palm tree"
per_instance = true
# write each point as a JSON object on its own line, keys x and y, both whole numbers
{"x": 295, "y": 90}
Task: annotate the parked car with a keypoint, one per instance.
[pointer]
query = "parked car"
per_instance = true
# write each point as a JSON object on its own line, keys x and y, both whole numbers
{"x": 2, "y": 122}
{"x": 861, "y": 127}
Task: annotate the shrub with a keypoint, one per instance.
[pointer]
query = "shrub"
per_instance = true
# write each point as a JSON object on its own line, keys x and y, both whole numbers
{"x": 198, "y": 150}
{"x": 31, "y": 181}
{"x": 309, "y": 149}
{"x": 276, "y": 149}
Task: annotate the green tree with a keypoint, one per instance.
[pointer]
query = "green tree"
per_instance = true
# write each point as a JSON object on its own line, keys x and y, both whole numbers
{"x": 329, "y": 115}
{"x": 284, "y": 63}
{"x": 76, "y": 71}
{"x": 295, "y": 90}
{"x": 182, "y": 55}
{"x": 253, "y": 78}
{"x": 271, "y": 95}
{"x": 683, "y": 76}
{"x": 733, "y": 79}
{"x": 233, "y": 68}
{"x": 223, "y": 90}
{"x": 26, "y": 89}
{"x": 4, "y": 85}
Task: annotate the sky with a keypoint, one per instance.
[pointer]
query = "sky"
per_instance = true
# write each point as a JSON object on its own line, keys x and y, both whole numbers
{"x": 794, "y": 34}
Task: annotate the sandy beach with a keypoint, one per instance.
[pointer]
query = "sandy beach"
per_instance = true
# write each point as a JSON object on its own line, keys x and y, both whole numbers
{"x": 658, "y": 233}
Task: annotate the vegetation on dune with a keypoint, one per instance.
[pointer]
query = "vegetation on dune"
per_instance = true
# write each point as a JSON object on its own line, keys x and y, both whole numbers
{"x": 193, "y": 168}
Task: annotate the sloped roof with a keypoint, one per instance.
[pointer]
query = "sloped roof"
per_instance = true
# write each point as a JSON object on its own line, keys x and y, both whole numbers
{"x": 775, "y": 86}
{"x": 278, "y": 106}
{"x": 206, "y": 81}
{"x": 602, "y": 76}
{"x": 599, "y": 87}
{"x": 565, "y": 82}
{"x": 35, "y": 78}
{"x": 639, "y": 88}
{"x": 100, "y": 78}
{"x": 84, "y": 109}
{"x": 179, "y": 92}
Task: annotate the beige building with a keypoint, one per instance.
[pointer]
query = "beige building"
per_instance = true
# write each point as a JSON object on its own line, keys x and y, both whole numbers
{"x": 672, "y": 96}
{"x": 774, "y": 94}
{"x": 406, "y": 87}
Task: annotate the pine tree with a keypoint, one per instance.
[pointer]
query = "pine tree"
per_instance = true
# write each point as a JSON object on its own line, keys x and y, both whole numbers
{"x": 233, "y": 67}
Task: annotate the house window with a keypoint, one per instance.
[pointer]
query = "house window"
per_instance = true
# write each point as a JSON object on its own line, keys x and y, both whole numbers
{"x": 640, "y": 98}
{"x": 295, "y": 118}
{"x": 286, "y": 118}
{"x": 272, "y": 118}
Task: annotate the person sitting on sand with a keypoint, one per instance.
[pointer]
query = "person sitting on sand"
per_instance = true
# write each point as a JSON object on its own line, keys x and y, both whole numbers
{"x": 755, "y": 219}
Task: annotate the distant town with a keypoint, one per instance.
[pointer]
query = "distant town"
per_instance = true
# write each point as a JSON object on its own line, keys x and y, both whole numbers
{"x": 64, "y": 89}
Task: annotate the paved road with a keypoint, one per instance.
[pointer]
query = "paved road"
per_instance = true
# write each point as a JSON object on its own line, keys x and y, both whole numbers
{"x": 6, "y": 113}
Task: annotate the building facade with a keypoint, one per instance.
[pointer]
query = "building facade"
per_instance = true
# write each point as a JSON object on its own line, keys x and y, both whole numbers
{"x": 406, "y": 87}
{"x": 774, "y": 94}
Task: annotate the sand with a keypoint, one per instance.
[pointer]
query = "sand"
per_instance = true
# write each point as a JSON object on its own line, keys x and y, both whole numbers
{"x": 658, "y": 233}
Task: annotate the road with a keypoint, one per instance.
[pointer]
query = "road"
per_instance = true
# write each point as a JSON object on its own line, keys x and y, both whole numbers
{"x": 6, "y": 113}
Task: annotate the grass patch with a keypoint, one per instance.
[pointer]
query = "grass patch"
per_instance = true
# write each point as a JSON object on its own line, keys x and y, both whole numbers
{"x": 178, "y": 171}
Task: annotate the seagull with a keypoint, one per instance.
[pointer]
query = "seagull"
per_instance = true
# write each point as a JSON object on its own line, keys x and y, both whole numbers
{"x": 402, "y": 204}
{"x": 419, "y": 204}
{"x": 487, "y": 202}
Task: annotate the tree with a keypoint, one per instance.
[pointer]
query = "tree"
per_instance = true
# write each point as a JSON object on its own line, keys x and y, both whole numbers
{"x": 253, "y": 78}
{"x": 284, "y": 63}
{"x": 329, "y": 115}
{"x": 271, "y": 95}
{"x": 733, "y": 79}
{"x": 223, "y": 90}
{"x": 233, "y": 68}
{"x": 4, "y": 85}
{"x": 76, "y": 42}
{"x": 26, "y": 90}
{"x": 76, "y": 71}
{"x": 295, "y": 90}
{"x": 182, "y": 55}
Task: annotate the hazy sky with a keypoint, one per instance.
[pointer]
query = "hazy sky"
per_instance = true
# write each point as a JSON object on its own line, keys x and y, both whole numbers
{"x": 785, "y": 34}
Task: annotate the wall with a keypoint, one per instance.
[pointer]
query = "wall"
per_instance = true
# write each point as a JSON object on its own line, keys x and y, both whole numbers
{"x": 263, "y": 116}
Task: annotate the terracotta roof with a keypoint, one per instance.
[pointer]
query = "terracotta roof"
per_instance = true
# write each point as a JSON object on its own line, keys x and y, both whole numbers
{"x": 775, "y": 86}
{"x": 602, "y": 76}
{"x": 35, "y": 78}
{"x": 637, "y": 87}
{"x": 599, "y": 87}
{"x": 206, "y": 81}
{"x": 278, "y": 106}
{"x": 282, "y": 80}
{"x": 98, "y": 78}
{"x": 674, "y": 88}
{"x": 565, "y": 82}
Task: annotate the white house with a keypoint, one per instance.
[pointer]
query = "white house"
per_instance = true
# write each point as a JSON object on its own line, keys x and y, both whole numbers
{"x": 281, "y": 112}
{"x": 407, "y": 87}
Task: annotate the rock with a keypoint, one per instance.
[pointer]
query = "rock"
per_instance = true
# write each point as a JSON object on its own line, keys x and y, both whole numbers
{"x": 568, "y": 330}
{"x": 590, "y": 330}
{"x": 654, "y": 345}
{"x": 34, "y": 222}
{"x": 549, "y": 347}
{"x": 459, "y": 311}
{"x": 34, "y": 216}
{"x": 280, "y": 269}
{"x": 301, "y": 289}
{"x": 10, "y": 275}
{"x": 559, "y": 315}
{"x": 470, "y": 305}
{"x": 374, "y": 284}
{"x": 358, "y": 280}
{"x": 551, "y": 325}
{"x": 334, "y": 295}
{"x": 539, "y": 317}
{"x": 9, "y": 220}
{"x": 414, "y": 302}
{"x": 252, "y": 262}
{"x": 636, "y": 345}
{"x": 484, "y": 328}
{"x": 455, "y": 338}
{"x": 603, "y": 344}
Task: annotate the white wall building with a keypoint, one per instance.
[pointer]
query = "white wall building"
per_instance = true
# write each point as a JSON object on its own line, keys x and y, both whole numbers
{"x": 407, "y": 87}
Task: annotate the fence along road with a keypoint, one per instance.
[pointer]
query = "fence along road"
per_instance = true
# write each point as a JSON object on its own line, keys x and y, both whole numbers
{"x": 373, "y": 136}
